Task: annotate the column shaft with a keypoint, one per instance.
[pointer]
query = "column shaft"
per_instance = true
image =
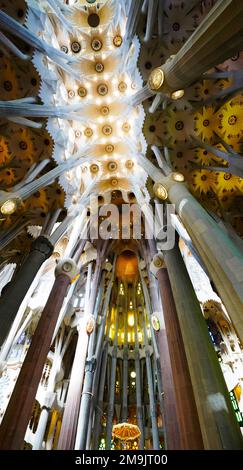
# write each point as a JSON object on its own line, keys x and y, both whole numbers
{"x": 110, "y": 408}
{"x": 171, "y": 423}
{"x": 152, "y": 404}
{"x": 18, "y": 413}
{"x": 92, "y": 364}
{"x": 71, "y": 412}
{"x": 221, "y": 257}
{"x": 223, "y": 260}
{"x": 41, "y": 428}
{"x": 189, "y": 426}
{"x": 138, "y": 381}
{"x": 111, "y": 403}
{"x": 219, "y": 427}
{"x": 84, "y": 412}
{"x": 125, "y": 361}
{"x": 11, "y": 300}
{"x": 217, "y": 38}
{"x": 100, "y": 405}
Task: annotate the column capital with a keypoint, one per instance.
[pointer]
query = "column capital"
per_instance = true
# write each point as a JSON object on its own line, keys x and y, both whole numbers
{"x": 157, "y": 81}
{"x": 157, "y": 263}
{"x": 67, "y": 267}
{"x": 43, "y": 245}
{"x": 218, "y": 37}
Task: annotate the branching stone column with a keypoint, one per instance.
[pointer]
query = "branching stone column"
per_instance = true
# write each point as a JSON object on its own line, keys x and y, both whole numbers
{"x": 218, "y": 37}
{"x": 41, "y": 250}
{"x": 70, "y": 416}
{"x": 71, "y": 413}
{"x": 219, "y": 427}
{"x": 133, "y": 18}
{"x": 221, "y": 257}
{"x": 18, "y": 413}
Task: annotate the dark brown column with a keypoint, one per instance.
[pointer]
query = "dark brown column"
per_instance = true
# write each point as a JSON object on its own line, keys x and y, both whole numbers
{"x": 18, "y": 413}
{"x": 189, "y": 427}
{"x": 173, "y": 439}
{"x": 17, "y": 289}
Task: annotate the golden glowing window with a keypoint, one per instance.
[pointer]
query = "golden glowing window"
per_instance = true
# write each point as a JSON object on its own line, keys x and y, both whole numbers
{"x": 121, "y": 291}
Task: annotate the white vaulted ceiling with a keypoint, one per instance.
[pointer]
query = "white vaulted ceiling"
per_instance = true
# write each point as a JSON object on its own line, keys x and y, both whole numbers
{"x": 94, "y": 87}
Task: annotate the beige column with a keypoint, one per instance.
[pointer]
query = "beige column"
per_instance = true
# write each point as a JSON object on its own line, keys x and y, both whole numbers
{"x": 218, "y": 424}
{"x": 218, "y": 37}
{"x": 71, "y": 411}
{"x": 221, "y": 257}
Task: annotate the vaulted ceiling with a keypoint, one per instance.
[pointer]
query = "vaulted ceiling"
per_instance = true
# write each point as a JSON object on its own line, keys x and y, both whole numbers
{"x": 195, "y": 132}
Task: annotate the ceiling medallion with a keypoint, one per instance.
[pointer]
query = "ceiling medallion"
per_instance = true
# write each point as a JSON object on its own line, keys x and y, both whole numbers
{"x": 93, "y": 20}
{"x": 114, "y": 182}
{"x": 129, "y": 164}
{"x": 99, "y": 67}
{"x": 160, "y": 191}
{"x": 8, "y": 86}
{"x": 64, "y": 49}
{"x": 107, "y": 130}
{"x": 133, "y": 86}
{"x": 112, "y": 166}
{"x": 82, "y": 92}
{"x": 126, "y": 127}
{"x": 155, "y": 322}
{"x": 94, "y": 168}
{"x": 156, "y": 79}
{"x": 102, "y": 89}
{"x": 232, "y": 120}
{"x": 96, "y": 44}
{"x": 88, "y": 132}
{"x": 117, "y": 40}
{"x": 104, "y": 110}
{"x": 122, "y": 87}
{"x": 76, "y": 47}
{"x": 78, "y": 134}
{"x": 109, "y": 148}
{"x": 71, "y": 94}
{"x": 23, "y": 145}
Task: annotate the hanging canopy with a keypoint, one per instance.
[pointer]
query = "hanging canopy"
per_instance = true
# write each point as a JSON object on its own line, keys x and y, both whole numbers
{"x": 126, "y": 431}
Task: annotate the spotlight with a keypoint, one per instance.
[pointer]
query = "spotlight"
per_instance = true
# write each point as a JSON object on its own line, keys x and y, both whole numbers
{"x": 9, "y": 207}
{"x": 179, "y": 177}
{"x": 177, "y": 95}
{"x": 160, "y": 191}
